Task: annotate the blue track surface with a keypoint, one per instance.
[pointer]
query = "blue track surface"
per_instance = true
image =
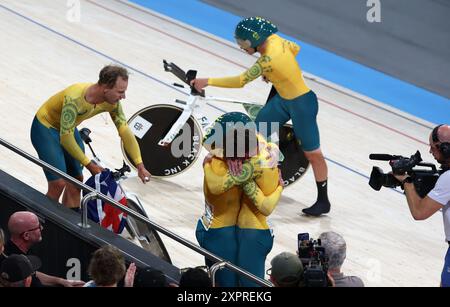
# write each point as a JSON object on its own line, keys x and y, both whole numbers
{"x": 359, "y": 78}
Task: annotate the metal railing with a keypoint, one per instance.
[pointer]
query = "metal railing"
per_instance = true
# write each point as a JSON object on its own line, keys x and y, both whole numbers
{"x": 93, "y": 194}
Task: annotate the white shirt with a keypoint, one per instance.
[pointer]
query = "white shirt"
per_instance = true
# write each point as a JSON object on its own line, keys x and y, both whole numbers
{"x": 441, "y": 194}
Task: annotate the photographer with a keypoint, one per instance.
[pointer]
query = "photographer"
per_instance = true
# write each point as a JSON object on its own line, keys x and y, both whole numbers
{"x": 439, "y": 197}
{"x": 336, "y": 251}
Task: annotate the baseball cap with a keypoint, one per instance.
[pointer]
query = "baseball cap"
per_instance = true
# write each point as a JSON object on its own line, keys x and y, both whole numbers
{"x": 287, "y": 269}
{"x": 18, "y": 267}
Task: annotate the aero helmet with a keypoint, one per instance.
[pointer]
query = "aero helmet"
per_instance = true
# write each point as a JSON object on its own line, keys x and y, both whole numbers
{"x": 218, "y": 135}
{"x": 253, "y": 31}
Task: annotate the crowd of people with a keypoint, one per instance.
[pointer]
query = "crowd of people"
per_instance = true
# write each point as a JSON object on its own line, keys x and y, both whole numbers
{"x": 107, "y": 266}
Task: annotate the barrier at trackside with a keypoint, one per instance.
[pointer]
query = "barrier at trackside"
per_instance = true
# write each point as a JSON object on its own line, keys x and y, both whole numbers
{"x": 66, "y": 249}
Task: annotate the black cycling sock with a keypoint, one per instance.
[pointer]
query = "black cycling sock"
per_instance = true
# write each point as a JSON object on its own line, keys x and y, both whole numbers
{"x": 322, "y": 191}
{"x": 322, "y": 205}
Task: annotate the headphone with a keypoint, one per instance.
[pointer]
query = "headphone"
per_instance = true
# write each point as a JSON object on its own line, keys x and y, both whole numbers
{"x": 444, "y": 147}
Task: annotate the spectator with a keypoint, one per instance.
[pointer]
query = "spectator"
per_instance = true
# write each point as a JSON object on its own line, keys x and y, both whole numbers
{"x": 336, "y": 251}
{"x": 107, "y": 268}
{"x": 286, "y": 270}
{"x": 17, "y": 270}
{"x": 150, "y": 278}
{"x": 26, "y": 230}
{"x": 195, "y": 278}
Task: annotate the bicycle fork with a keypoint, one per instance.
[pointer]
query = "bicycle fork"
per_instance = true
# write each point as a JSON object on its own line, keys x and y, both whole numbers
{"x": 181, "y": 121}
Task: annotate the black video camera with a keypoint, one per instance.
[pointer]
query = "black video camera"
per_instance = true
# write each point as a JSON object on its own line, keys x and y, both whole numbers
{"x": 423, "y": 179}
{"x": 314, "y": 260}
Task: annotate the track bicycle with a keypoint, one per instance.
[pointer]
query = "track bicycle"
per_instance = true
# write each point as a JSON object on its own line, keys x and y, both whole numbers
{"x": 159, "y": 129}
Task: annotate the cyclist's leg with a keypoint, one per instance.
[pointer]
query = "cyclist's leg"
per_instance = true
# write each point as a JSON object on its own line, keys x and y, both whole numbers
{"x": 272, "y": 116}
{"x": 71, "y": 197}
{"x": 304, "y": 111}
{"x": 46, "y": 142}
{"x": 253, "y": 247}
{"x": 318, "y": 164}
{"x": 223, "y": 243}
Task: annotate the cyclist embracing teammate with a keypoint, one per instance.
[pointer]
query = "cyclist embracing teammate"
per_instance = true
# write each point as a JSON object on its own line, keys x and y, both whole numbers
{"x": 234, "y": 225}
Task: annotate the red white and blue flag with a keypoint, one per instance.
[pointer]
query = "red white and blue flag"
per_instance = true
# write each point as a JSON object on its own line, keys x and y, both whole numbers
{"x": 101, "y": 212}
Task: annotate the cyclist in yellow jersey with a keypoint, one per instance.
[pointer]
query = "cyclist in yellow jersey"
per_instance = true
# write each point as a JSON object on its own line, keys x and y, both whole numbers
{"x": 255, "y": 237}
{"x": 224, "y": 195}
{"x": 57, "y": 141}
{"x": 293, "y": 100}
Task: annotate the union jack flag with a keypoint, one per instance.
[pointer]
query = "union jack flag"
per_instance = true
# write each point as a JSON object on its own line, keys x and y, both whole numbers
{"x": 103, "y": 213}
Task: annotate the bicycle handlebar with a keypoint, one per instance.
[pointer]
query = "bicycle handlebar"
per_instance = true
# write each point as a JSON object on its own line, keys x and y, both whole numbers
{"x": 120, "y": 172}
{"x": 84, "y": 134}
{"x": 186, "y": 77}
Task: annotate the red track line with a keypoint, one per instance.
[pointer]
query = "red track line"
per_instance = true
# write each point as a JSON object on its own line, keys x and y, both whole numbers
{"x": 179, "y": 25}
{"x": 228, "y": 60}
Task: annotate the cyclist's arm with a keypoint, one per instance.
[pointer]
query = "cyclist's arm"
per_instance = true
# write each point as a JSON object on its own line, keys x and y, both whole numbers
{"x": 265, "y": 204}
{"x": 69, "y": 115}
{"x": 239, "y": 81}
{"x": 125, "y": 133}
{"x": 217, "y": 178}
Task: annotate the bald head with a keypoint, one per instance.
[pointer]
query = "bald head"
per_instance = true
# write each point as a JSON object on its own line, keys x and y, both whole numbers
{"x": 22, "y": 221}
{"x": 444, "y": 133}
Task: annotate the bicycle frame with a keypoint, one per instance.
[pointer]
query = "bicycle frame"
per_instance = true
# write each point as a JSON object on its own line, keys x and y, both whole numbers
{"x": 192, "y": 104}
{"x": 158, "y": 127}
{"x": 190, "y": 108}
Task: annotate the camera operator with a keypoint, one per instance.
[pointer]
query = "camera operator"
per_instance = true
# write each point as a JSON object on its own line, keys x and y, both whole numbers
{"x": 286, "y": 270}
{"x": 439, "y": 197}
{"x": 336, "y": 251}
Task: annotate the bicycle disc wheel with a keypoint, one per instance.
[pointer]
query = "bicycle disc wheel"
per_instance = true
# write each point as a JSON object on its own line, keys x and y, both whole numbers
{"x": 147, "y": 237}
{"x": 171, "y": 160}
{"x": 295, "y": 164}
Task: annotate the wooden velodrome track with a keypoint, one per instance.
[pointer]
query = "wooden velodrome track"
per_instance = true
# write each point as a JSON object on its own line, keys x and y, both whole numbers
{"x": 42, "y": 52}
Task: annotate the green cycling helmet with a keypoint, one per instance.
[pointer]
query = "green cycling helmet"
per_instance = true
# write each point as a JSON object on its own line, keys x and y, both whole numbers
{"x": 217, "y": 135}
{"x": 253, "y": 31}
